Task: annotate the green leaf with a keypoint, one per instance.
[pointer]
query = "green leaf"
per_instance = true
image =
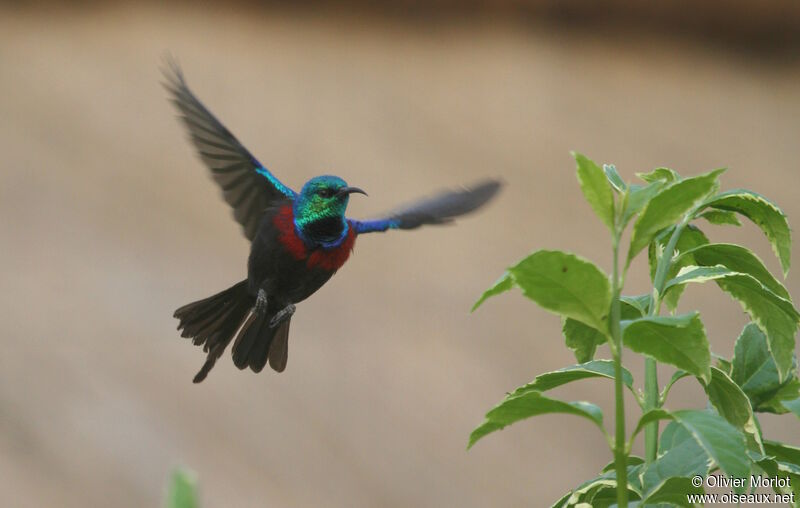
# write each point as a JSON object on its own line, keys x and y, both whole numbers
{"x": 679, "y": 455}
{"x": 672, "y": 491}
{"x": 600, "y": 492}
{"x": 723, "y": 443}
{"x": 596, "y": 189}
{"x": 678, "y": 340}
{"x": 668, "y": 207}
{"x": 638, "y": 197}
{"x": 633, "y": 460}
{"x": 602, "y": 497}
{"x": 765, "y": 463}
{"x": 732, "y": 404}
{"x": 782, "y": 452}
{"x": 720, "y": 217}
{"x": 596, "y": 368}
{"x": 678, "y": 375}
{"x": 753, "y": 367}
{"x": 793, "y": 406}
{"x": 581, "y": 339}
{"x": 567, "y": 285}
{"x": 634, "y": 307}
{"x": 776, "y": 316}
{"x": 613, "y": 177}
{"x": 723, "y": 364}
{"x": 182, "y": 492}
{"x": 605, "y": 496}
{"x": 691, "y": 237}
{"x": 783, "y": 399}
{"x": 698, "y": 274}
{"x": 719, "y": 440}
{"x": 737, "y": 259}
{"x": 660, "y": 175}
{"x": 772, "y": 468}
{"x": 578, "y": 496}
{"x": 765, "y": 214}
{"x": 562, "y": 502}
{"x": 516, "y": 408}
{"x": 651, "y": 416}
{"x": 503, "y": 284}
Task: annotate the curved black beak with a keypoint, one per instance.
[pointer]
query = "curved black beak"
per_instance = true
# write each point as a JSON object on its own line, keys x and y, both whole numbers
{"x": 350, "y": 190}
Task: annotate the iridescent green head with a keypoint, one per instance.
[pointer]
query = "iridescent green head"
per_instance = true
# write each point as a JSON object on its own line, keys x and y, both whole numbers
{"x": 319, "y": 208}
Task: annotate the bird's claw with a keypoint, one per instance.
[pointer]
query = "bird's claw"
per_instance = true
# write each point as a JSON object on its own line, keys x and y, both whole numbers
{"x": 261, "y": 302}
{"x": 282, "y": 315}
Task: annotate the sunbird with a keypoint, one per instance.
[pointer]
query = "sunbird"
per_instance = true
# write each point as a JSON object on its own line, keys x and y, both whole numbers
{"x": 298, "y": 239}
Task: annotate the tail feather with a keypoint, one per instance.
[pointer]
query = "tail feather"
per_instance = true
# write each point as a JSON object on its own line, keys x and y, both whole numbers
{"x": 247, "y": 338}
{"x": 221, "y": 340}
{"x": 215, "y": 353}
{"x": 213, "y": 322}
{"x": 256, "y": 343}
{"x": 206, "y": 322}
{"x": 257, "y": 358}
{"x": 279, "y": 349}
{"x": 224, "y": 325}
{"x": 274, "y": 350}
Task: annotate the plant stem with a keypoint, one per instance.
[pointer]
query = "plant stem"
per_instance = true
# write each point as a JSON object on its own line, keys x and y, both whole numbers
{"x": 620, "y": 451}
{"x": 650, "y": 402}
{"x": 650, "y": 368}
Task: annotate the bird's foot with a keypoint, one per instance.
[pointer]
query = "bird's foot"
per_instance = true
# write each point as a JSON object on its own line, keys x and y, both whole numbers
{"x": 261, "y": 302}
{"x": 282, "y": 315}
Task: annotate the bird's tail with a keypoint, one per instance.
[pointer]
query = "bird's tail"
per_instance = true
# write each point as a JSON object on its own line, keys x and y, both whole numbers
{"x": 258, "y": 341}
{"x": 213, "y": 322}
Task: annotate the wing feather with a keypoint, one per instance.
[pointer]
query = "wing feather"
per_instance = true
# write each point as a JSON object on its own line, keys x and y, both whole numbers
{"x": 247, "y": 186}
{"x": 439, "y": 209}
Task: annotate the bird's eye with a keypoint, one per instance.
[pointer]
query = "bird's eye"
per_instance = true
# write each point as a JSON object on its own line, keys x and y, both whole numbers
{"x": 326, "y": 192}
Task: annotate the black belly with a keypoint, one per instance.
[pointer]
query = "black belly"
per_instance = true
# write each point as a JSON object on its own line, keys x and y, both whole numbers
{"x": 272, "y": 267}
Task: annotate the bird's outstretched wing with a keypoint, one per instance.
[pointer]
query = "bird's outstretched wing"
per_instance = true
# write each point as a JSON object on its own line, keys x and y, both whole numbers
{"x": 439, "y": 209}
{"x": 246, "y": 184}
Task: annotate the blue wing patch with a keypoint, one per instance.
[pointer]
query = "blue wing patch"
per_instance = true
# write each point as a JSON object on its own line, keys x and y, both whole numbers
{"x": 439, "y": 209}
{"x": 289, "y": 193}
{"x": 371, "y": 226}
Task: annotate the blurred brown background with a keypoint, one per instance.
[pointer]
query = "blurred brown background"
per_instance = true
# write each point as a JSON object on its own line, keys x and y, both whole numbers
{"x": 108, "y": 222}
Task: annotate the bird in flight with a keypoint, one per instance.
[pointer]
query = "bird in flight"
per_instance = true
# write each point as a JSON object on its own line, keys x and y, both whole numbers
{"x": 298, "y": 239}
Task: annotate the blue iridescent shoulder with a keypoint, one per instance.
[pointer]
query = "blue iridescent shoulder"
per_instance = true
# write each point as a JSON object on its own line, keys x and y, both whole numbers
{"x": 277, "y": 184}
{"x": 371, "y": 226}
